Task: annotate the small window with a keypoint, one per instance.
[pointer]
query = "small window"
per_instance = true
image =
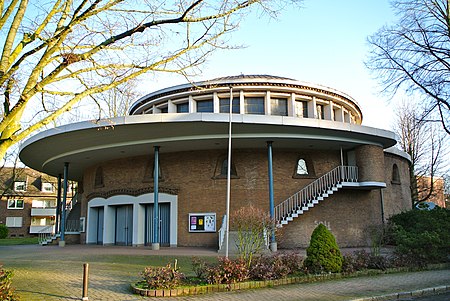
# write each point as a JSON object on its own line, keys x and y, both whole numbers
{"x": 205, "y": 106}
{"x": 14, "y": 222}
{"x": 164, "y": 110}
{"x": 224, "y": 105}
{"x": 221, "y": 171}
{"x": 224, "y": 169}
{"x": 320, "y": 112}
{"x": 99, "y": 177}
{"x": 150, "y": 172}
{"x": 254, "y": 105}
{"x": 47, "y": 187}
{"x": 159, "y": 171}
{"x": 183, "y": 108}
{"x": 20, "y": 186}
{"x": 15, "y": 204}
{"x": 43, "y": 204}
{"x": 302, "y": 169}
{"x": 278, "y": 106}
{"x": 395, "y": 174}
{"x": 301, "y": 109}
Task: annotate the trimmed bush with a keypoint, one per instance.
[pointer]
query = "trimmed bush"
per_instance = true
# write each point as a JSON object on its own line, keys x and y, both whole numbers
{"x": 421, "y": 236}
{"x": 162, "y": 277}
{"x": 6, "y": 291}
{"x": 199, "y": 266}
{"x": 323, "y": 254}
{"x": 276, "y": 266}
{"x": 4, "y": 231}
{"x": 362, "y": 260}
{"x": 227, "y": 271}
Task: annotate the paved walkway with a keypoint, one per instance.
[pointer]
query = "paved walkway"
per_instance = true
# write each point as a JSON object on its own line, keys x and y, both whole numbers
{"x": 54, "y": 273}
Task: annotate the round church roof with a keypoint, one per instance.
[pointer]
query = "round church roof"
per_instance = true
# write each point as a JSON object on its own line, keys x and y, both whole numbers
{"x": 261, "y": 83}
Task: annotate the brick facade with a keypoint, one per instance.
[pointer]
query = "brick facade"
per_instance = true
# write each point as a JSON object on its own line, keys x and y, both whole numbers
{"x": 193, "y": 176}
{"x": 33, "y": 191}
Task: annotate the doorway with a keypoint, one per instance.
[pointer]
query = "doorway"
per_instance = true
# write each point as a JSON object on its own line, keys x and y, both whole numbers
{"x": 124, "y": 225}
{"x": 164, "y": 224}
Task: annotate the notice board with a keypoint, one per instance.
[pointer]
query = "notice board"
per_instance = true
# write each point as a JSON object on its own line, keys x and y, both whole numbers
{"x": 202, "y": 222}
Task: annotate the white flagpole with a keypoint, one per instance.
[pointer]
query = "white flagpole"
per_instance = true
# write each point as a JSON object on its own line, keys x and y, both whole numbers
{"x": 227, "y": 232}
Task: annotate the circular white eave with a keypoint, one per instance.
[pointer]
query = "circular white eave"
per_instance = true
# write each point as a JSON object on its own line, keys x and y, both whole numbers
{"x": 88, "y": 143}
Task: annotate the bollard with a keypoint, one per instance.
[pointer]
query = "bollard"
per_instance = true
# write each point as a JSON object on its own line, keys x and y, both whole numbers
{"x": 85, "y": 281}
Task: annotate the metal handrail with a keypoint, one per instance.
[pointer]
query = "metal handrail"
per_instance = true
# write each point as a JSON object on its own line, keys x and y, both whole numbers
{"x": 305, "y": 197}
{"x": 44, "y": 234}
{"x": 222, "y": 232}
{"x": 72, "y": 226}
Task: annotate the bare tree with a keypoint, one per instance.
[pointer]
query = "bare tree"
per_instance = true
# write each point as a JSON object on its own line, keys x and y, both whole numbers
{"x": 426, "y": 145}
{"x": 413, "y": 55}
{"x": 55, "y": 53}
{"x": 116, "y": 101}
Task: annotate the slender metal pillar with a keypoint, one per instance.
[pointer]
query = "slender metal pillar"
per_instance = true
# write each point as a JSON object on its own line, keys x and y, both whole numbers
{"x": 58, "y": 204}
{"x": 62, "y": 242}
{"x": 155, "y": 243}
{"x": 273, "y": 243}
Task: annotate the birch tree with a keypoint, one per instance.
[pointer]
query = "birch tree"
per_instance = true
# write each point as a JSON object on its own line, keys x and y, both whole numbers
{"x": 55, "y": 53}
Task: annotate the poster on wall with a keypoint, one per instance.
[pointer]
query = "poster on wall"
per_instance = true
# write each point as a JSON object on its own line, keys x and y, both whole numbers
{"x": 202, "y": 222}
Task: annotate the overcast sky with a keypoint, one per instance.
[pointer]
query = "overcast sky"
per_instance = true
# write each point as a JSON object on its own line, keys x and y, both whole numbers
{"x": 322, "y": 42}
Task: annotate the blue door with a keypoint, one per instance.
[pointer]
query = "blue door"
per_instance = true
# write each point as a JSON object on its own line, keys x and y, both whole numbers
{"x": 164, "y": 224}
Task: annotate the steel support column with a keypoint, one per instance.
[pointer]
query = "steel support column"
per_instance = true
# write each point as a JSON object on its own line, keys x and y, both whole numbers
{"x": 58, "y": 205}
{"x": 155, "y": 243}
{"x": 62, "y": 242}
{"x": 273, "y": 243}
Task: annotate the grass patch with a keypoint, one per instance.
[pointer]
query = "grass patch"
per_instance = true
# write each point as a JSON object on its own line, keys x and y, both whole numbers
{"x": 19, "y": 241}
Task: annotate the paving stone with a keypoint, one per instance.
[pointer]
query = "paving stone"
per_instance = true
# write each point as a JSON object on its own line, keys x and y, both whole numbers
{"x": 36, "y": 278}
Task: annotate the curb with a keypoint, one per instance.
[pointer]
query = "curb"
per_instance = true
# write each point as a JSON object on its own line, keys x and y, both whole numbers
{"x": 416, "y": 293}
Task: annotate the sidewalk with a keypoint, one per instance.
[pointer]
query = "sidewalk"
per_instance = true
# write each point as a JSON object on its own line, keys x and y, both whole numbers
{"x": 53, "y": 273}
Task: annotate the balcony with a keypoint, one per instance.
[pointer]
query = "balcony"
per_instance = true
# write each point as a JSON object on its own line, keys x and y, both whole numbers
{"x": 43, "y": 211}
{"x": 34, "y": 229}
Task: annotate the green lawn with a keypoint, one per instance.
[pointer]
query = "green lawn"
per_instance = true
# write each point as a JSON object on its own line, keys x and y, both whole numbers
{"x": 19, "y": 241}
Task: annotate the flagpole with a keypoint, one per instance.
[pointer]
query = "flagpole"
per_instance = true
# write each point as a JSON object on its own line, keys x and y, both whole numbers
{"x": 227, "y": 232}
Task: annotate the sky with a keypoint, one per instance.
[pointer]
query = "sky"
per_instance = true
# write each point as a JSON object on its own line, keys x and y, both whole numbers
{"x": 322, "y": 42}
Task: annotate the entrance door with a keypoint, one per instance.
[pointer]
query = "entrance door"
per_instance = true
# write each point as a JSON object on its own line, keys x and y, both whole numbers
{"x": 124, "y": 225}
{"x": 100, "y": 219}
{"x": 164, "y": 224}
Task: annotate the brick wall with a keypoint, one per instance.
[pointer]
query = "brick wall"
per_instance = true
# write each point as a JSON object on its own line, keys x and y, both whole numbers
{"x": 193, "y": 175}
{"x": 25, "y": 213}
{"x": 397, "y": 195}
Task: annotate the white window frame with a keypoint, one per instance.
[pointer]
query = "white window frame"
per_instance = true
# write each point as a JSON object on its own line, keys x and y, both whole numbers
{"x": 17, "y": 184}
{"x": 13, "y": 205}
{"x": 47, "y": 203}
{"x": 47, "y": 185}
{"x": 14, "y": 221}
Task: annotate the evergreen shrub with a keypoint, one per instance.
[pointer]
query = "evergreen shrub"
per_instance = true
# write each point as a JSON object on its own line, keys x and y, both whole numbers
{"x": 323, "y": 254}
{"x": 4, "y": 231}
{"x": 421, "y": 236}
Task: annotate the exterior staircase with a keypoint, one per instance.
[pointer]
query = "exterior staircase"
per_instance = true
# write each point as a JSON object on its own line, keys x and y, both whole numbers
{"x": 313, "y": 193}
{"x": 47, "y": 236}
